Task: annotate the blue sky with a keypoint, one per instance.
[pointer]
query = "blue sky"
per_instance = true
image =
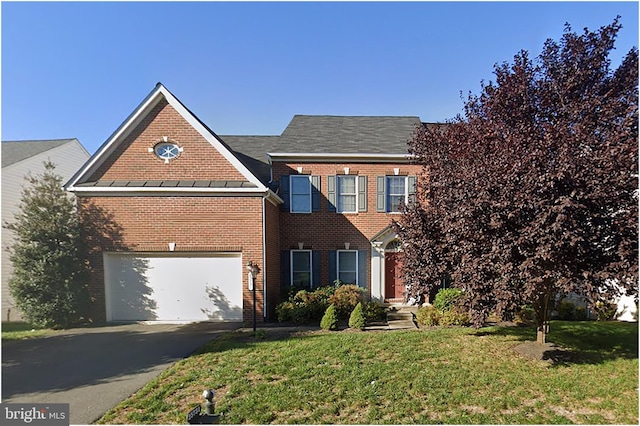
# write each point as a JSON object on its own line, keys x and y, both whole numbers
{"x": 79, "y": 69}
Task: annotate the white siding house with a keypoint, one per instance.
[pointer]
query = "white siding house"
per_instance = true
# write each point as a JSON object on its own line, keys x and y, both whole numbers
{"x": 19, "y": 158}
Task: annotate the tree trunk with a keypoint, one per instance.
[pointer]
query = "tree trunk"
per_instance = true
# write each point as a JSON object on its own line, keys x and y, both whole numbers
{"x": 542, "y": 318}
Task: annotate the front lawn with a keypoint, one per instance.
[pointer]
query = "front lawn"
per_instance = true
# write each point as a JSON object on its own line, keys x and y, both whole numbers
{"x": 441, "y": 375}
{"x": 21, "y": 330}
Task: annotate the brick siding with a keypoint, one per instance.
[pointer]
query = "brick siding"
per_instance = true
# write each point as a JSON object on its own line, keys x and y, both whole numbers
{"x": 327, "y": 231}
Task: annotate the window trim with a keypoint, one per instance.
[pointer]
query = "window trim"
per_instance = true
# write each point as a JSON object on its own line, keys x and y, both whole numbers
{"x": 357, "y": 270}
{"x": 291, "y": 193}
{"x": 388, "y": 194}
{"x": 354, "y": 194}
{"x": 291, "y": 273}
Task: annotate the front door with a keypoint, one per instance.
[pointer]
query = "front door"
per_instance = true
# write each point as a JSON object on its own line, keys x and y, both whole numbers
{"x": 394, "y": 284}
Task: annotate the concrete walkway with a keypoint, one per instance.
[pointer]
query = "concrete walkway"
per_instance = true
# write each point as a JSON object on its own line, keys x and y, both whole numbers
{"x": 93, "y": 369}
{"x": 398, "y": 318}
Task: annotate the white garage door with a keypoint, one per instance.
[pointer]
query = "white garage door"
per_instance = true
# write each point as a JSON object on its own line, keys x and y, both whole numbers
{"x": 173, "y": 288}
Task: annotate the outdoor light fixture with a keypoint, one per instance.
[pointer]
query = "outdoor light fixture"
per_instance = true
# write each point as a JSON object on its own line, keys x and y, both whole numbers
{"x": 253, "y": 273}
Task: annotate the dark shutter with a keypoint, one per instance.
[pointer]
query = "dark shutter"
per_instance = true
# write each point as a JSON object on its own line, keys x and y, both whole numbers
{"x": 285, "y": 269}
{"x": 333, "y": 266}
{"x": 362, "y": 193}
{"x": 315, "y": 193}
{"x": 380, "y": 193}
{"x": 363, "y": 268}
{"x": 315, "y": 265}
{"x": 331, "y": 193}
{"x": 284, "y": 193}
{"x": 411, "y": 182}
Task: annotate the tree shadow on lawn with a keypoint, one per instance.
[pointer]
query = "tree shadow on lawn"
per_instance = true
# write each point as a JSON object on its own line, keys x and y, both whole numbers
{"x": 574, "y": 342}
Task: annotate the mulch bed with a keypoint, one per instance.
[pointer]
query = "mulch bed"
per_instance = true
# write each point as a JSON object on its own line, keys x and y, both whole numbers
{"x": 547, "y": 352}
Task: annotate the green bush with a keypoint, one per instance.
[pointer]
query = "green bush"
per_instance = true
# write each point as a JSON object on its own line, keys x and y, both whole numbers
{"x": 428, "y": 315}
{"x": 373, "y": 312}
{"x": 606, "y": 311}
{"x": 330, "y": 319}
{"x": 580, "y": 313}
{"x": 346, "y": 298}
{"x": 566, "y": 311}
{"x": 356, "y": 319}
{"x": 446, "y": 298}
{"x": 304, "y": 306}
{"x": 455, "y": 316}
{"x": 525, "y": 316}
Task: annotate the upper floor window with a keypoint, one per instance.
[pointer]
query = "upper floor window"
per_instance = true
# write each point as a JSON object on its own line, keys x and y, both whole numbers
{"x": 396, "y": 193}
{"x": 347, "y": 194}
{"x": 300, "y": 194}
{"x": 392, "y": 191}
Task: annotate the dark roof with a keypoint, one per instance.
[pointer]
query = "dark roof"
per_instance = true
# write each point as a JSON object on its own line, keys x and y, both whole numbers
{"x": 15, "y": 151}
{"x": 325, "y": 134}
{"x": 347, "y": 134}
{"x": 252, "y": 152}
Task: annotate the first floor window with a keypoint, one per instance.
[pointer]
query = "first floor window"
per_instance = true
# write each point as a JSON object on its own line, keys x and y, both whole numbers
{"x": 396, "y": 193}
{"x": 301, "y": 268}
{"x": 348, "y": 266}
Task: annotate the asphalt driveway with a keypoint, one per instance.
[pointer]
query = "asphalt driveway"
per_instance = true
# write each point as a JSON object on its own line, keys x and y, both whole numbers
{"x": 93, "y": 369}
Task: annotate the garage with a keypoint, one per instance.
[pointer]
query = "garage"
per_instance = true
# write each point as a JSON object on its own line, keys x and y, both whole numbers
{"x": 172, "y": 287}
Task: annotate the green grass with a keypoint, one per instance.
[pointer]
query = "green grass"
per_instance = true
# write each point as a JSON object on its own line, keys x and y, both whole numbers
{"x": 443, "y": 375}
{"x": 21, "y": 330}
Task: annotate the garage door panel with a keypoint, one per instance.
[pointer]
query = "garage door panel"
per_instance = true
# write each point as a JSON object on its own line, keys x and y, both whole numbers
{"x": 173, "y": 288}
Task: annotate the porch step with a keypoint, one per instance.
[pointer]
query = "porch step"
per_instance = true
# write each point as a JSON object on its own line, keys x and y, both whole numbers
{"x": 401, "y": 318}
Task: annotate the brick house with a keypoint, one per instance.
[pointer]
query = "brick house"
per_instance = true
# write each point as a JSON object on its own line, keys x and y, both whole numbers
{"x": 177, "y": 212}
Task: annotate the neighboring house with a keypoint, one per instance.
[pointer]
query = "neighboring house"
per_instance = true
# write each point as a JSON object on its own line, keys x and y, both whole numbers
{"x": 20, "y": 158}
{"x": 179, "y": 212}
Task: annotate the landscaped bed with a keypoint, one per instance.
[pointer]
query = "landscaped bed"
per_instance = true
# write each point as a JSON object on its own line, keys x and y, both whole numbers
{"x": 439, "y": 375}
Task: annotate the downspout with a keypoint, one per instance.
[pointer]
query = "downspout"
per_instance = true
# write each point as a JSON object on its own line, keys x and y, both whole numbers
{"x": 264, "y": 257}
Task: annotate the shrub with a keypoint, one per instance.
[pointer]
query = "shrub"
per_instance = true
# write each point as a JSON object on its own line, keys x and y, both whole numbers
{"x": 606, "y": 311}
{"x": 304, "y": 306}
{"x": 356, "y": 319}
{"x": 566, "y": 311}
{"x": 580, "y": 314}
{"x": 446, "y": 298}
{"x": 525, "y": 316}
{"x": 428, "y": 315}
{"x": 346, "y": 298}
{"x": 330, "y": 319}
{"x": 455, "y": 316}
{"x": 373, "y": 312}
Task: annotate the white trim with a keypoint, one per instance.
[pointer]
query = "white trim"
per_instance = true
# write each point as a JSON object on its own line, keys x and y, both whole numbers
{"x": 387, "y": 193}
{"x": 165, "y": 189}
{"x": 137, "y": 116}
{"x": 353, "y": 158}
{"x": 310, "y": 252}
{"x": 357, "y": 283}
{"x": 338, "y": 193}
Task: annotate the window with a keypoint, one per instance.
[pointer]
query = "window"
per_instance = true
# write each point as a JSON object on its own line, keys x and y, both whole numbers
{"x": 347, "y": 194}
{"x": 300, "y": 194}
{"x": 396, "y": 193}
{"x": 348, "y": 266}
{"x": 301, "y": 268}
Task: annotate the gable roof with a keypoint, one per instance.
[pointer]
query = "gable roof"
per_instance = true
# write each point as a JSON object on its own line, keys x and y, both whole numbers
{"x": 16, "y": 151}
{"x": 78, "y": 183}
